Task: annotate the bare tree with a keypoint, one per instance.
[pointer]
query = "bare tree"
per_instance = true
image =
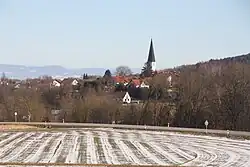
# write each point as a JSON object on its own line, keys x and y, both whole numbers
{"x": 28, "y": 104}
{"x": 123, "y": 71}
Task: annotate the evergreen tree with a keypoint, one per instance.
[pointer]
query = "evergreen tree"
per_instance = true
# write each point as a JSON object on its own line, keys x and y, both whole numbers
{"x": 107, "y": 73}
{"x": 3, "y": 77}
{"x": 147, "y": 70}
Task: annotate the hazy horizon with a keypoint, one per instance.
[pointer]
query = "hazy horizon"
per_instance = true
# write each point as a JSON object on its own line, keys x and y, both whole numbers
{"x": 122, "y": 64}
{"x": 106, "y": 34}
{"x": 58, "y": 65}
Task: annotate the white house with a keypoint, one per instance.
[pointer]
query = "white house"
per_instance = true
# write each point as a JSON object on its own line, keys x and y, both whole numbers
{"x": 75, "y": 82}
{"x": 56, "y": 83}
{"x": 4, "y": 82}
{"x": 126, "y": 98}
{"x": 143, "y": 85}
{"x": 169, "y": 79}
{"x": 17, "y": 86}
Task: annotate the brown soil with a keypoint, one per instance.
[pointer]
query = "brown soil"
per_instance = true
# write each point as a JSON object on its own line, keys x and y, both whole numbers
{"x": 16, "y": 127}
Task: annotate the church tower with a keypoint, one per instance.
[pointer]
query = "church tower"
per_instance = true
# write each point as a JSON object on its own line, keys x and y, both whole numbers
{"x": 151, "y": 56}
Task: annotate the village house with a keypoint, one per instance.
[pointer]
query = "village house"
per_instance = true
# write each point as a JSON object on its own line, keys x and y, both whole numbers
{"x": 55, "y": 83}
{"x": 133, "y": 87}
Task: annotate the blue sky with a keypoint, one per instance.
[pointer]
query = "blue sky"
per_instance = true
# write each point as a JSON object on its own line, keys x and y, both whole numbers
{"x": 109, "y": 33}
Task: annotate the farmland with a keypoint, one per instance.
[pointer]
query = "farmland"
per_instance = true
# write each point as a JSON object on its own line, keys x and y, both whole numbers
{"x": 110, "y": 146}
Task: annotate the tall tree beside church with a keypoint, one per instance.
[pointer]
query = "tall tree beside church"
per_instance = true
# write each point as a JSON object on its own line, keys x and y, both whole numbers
{"x": 147, "y": 70}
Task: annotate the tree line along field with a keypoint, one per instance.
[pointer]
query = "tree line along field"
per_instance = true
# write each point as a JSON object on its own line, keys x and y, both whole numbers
{"x": 109, "y": 146}
{"x": 215, "y": 91}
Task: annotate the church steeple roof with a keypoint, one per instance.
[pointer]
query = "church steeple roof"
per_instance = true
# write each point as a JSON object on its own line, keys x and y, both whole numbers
{"x": 151, "y": 54}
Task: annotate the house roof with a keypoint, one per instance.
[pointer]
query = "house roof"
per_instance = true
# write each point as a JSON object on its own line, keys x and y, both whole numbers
{"x": 57, "y": 81}
{"x": 119, "y": 79}
{"x": 122, "y": 79}
{"x": 67, "y": 81}
{"x": 136, "y": 81}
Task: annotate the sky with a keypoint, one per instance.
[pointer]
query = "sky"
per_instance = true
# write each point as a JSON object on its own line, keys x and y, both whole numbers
{"x": 110, "y": 33}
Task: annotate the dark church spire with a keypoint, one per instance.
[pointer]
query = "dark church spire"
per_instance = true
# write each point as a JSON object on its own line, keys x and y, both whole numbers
{"x": 151, "y": 54}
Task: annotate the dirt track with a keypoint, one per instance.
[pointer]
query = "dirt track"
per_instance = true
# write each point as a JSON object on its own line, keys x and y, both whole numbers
{"x": 16, "y": 127}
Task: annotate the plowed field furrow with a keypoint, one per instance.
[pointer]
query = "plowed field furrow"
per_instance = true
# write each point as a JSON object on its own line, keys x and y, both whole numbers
{"x": 83, "y": 149}
{"x": 33, "y": 147}
{"x": 10, "y": 140}
{"x": 99, "y": 149}
{"x": 116, "y": 150}
{"x": 156, "y": 153}
{"x": 119, "y": 146}
{"x": 137, "y": 153}
{"x": 60, "y": 153}
{"x": 49, "y": 149}
{"x": 14, "y": 146}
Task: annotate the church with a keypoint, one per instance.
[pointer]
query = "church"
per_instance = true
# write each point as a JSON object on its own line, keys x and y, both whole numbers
{"x": 151, "y": 57}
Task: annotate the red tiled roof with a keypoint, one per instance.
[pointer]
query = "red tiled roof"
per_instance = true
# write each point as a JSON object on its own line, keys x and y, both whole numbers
{"x": 122, "y": 79}
{"x": 118, "y": 79}
{"x": 136, "y": 81}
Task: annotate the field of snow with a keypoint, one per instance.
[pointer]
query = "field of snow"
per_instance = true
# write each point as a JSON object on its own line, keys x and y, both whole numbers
{"x": 109, "y": 146}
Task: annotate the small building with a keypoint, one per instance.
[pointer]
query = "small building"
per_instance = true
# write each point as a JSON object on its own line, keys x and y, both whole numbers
{"x": 126, "y": 99}
{"x": 143, "y": 85}
{"x": 57, "y": 116}
{"x": 74, "y": 82}
{"x": 55, "y": 83}
{"x": 17, "y": 86}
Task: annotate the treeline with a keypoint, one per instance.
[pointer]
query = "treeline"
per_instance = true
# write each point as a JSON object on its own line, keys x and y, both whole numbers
{"x": 219, "y": 93}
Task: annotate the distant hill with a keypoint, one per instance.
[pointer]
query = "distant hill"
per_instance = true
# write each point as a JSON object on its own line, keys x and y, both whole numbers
{"x": 23, "y": 72}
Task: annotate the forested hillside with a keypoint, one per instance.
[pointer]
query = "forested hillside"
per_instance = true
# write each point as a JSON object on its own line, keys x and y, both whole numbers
{"x": 242, "y": 58}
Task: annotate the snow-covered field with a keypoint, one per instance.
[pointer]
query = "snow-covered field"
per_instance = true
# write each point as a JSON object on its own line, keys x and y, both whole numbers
{"x": 109, "y": 146}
